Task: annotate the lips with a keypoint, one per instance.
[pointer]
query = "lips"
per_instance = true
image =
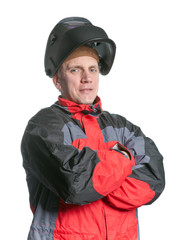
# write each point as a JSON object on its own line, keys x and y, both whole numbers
{"x": 86, "y": 90}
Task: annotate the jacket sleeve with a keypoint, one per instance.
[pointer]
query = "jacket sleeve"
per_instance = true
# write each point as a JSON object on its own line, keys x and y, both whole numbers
{"x": 147, "y": 180}
{"x": 78, "y": 177}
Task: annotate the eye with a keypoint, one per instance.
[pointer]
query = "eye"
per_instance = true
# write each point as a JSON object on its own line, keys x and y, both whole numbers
{"x": 93, "y": 69}
{"x": 74, "y": 70}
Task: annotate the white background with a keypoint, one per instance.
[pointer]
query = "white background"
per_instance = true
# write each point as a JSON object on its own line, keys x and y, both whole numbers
{"x": 139, "y": 87}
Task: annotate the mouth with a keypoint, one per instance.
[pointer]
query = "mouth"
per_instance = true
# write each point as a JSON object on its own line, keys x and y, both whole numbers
{"x": 86, "y": 90}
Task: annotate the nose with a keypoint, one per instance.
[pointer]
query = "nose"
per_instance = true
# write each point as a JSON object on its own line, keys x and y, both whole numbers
{"x": 86, "y": 76}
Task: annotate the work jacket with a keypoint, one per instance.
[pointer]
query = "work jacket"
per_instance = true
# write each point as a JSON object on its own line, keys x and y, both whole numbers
{"x": 87, "y": 173}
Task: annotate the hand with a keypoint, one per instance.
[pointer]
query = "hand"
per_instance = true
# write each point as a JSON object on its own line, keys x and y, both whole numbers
{"x": 119, "y": 148}
{"x": 125, "y": 154}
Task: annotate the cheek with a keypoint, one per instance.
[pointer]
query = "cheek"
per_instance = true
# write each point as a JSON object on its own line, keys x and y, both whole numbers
{"x": 69, "y": 88}
{"x": 97, "y": 83}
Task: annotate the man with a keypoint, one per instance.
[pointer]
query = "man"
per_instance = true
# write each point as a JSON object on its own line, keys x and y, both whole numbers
{"x": 87, "y": 170}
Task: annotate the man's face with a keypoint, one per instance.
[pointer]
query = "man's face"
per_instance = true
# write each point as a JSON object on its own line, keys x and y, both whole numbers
{"x": 78, "y": 79}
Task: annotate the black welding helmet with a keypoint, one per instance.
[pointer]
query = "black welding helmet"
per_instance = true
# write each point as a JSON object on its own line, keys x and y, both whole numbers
{"x": 71, "y": 33}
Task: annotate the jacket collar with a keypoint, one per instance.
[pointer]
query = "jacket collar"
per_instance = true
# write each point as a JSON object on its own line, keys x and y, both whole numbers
{"x": 74, "y": 108}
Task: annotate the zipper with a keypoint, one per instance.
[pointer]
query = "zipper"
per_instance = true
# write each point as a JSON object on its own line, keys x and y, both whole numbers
{"x": 106, "y": 227}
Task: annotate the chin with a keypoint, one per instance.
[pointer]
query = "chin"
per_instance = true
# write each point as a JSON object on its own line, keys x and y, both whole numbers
{"x": 85, "y": 101}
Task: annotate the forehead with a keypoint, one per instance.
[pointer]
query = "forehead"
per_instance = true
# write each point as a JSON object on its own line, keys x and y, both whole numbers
{"x": 82, "y": 61}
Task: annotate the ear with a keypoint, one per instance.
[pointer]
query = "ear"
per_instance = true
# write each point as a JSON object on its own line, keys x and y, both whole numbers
{"x": 56, "y": 82}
